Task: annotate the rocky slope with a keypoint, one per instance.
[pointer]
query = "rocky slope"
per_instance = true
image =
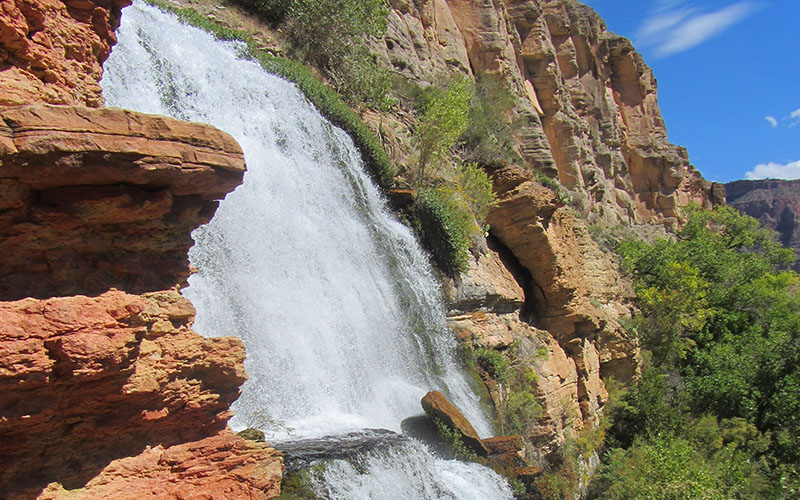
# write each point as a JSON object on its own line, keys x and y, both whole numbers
{"x": 106, "y": 390}
{"x": 774, "y": 202}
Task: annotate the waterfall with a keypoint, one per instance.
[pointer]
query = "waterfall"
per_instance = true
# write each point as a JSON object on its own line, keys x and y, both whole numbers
{"x": 334, "y": 300}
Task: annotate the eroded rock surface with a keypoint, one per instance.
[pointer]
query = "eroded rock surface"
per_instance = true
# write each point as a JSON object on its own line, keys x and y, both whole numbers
{"x": 53, "y": 50}
{"x": 218, "y": 467}
{"x": 86, "y": 380}
{"x": 587, "y": 107}
{"x": 106, "y": 393}
{"x": 97, "y": 198}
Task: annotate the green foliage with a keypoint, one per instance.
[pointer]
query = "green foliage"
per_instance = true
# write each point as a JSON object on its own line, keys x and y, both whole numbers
{"x": 488, "y": 140}
{"x": 446, "y": 224}
{"x": 272, "y": 11}
{"x": 444, "y": 118}
{"x": 670, "y": 468}
{"x": 521, "y": 411}
{"x": 495, "y": 364}
{"x": 647, "y": 408}
{"x": 455, "y": 442}
{"x": 476, "y": 189}
{"x": 332, "y": 34}
{"x": 721, "y": 316}
{"x": 329, "y": 103}
{"x": 556, "y": 187}
{"x": 299, "y": 485}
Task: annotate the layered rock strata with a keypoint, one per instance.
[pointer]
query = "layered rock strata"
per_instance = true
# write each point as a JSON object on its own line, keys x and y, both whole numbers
{"x": 105, "y": 391}
{"x": 89, "y": 379}
{"x": 587, "y": 109}
{"x": 774, "y": 202}
{"x": 99, "y": 198}
{"x": 586, "y": 114}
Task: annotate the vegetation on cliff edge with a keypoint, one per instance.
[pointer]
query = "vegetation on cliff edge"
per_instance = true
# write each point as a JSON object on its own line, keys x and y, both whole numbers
{"x": 716, "y": 411}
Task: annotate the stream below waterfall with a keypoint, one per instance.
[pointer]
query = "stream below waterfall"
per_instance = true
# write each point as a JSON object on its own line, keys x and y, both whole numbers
{"x": 333, "y": 298}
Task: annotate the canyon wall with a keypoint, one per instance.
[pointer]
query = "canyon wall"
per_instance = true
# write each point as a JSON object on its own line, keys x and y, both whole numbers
{"x": 774, "y": 202}
{"x": 586, "y": 114}
{"x": 105, "y": 391}
{"x": 587, "y": 108}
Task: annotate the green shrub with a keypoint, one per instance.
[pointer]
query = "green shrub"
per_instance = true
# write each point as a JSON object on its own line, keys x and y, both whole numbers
{"x": 489, "y": 138}
{"x": 521, "y": 411}
{"x": 272, "y": 11}
{"x": 494, "y": 363}
{"x": 476, "y": 189}
{"x": 446, "y": 224}
{"x": 327, "y": 101}
{"x": 445, "y": 116}
{"x": 332, "y": 34}
{"x": 455, "y": 442}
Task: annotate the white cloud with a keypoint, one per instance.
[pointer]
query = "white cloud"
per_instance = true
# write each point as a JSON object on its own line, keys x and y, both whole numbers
{"x": 794, "y": 117}
{"x": 773, "y": 122}
{"x": 775, "y": 171}
{"x": 675, "y": 26}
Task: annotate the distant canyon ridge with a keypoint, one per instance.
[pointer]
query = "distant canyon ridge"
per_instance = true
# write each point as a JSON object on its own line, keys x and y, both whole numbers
{"x": 774, "y": 202}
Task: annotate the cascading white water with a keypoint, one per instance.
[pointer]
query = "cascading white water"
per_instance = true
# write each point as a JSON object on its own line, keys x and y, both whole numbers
{"x": 334, "y": 300}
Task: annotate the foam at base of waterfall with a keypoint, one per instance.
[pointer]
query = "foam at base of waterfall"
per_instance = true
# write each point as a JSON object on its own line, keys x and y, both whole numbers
{"x": 408, "y": 471}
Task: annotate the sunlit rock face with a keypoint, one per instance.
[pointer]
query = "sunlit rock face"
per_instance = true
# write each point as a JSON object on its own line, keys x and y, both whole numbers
{"x": 53, "y": 51}
{"x": 106, "y": 390}
{"x": 587, "y": 104}
{"x": 587, "y": 115}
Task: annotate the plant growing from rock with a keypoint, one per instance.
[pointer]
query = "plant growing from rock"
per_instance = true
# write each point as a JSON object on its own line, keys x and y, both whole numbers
{"x": 445, "y": 116}
{"x": 489, "y": 138}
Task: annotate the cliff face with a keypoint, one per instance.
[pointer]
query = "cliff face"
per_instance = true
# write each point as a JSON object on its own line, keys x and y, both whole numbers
{"x": 587, "y": 114}
{"x": 775, "y": 203}
{"x": 105, "y": 391}
{"x": 53, "y": 51}
{"x": 586, "y": 102}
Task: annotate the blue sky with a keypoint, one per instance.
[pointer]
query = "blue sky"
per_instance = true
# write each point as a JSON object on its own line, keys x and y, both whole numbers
{"x": 728, "y": 78}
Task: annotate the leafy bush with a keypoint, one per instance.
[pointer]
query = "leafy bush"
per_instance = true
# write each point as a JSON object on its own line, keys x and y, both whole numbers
{"x": 455, "y": 442}
{"x": 272, "y": 11}
{"x": 445, "y": 116}
{"x": 521, "y": 411}
{"x": 446, "y": 224}
{"x": 327, "y": 101}
{"x": 489, "y": 138}
{"x": 332, "y": 34}
{"x": 671, "y": 468}
{"x": 495, "y": 364}
{"x": 721, "y": 317}
{"x": 476, "y": 189}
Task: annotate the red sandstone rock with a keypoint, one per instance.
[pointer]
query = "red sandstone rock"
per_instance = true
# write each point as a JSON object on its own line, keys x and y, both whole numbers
{"x": 84, "y": 381}
{"x": 98, "y": 198}
{"x": 53, "y": 50}
{"x": 504, "y": 444}
{"x": 220, "y": 467}
{"x": 437, "y": 406}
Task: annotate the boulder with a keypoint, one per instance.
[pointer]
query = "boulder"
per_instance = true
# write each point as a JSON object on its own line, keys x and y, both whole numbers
{"x": 437, "y": 406}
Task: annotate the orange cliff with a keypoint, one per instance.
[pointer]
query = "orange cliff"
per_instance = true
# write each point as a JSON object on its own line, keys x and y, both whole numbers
{"x": 105, "y": 391}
